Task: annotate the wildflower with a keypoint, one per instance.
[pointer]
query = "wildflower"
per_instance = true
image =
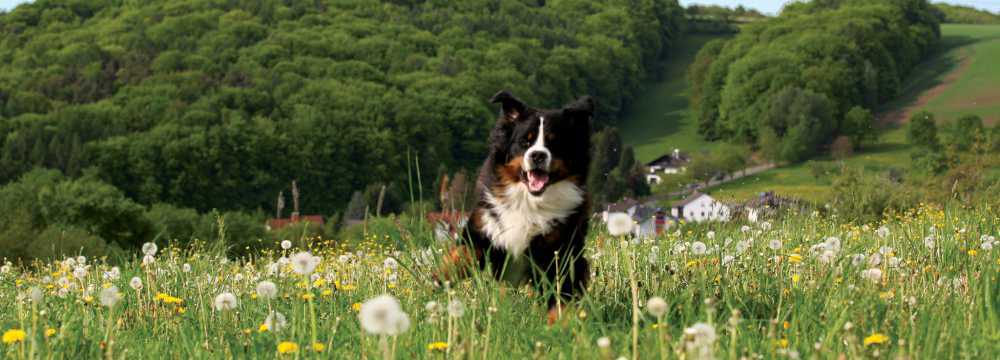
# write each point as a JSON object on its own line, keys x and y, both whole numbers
{"x": 148, "y": 260}
{"x": 728, "y": 259}
{"x": 135, "y": 283}
{"x": 699, "y": 341}
{"x": 432, "y": 307}
{"x": 356, "y": 307}
{"x": 986, "y": 246}
{"x": 304, "y": 263}
{"x": 972, "y": 252}
{"x": 383, "y": 315}
{"x": 149, "y": 249}
{"x": 437, "y": 346}
{"x": 267, "y": 290}
{"x": 619, "y": 224}
{"x": 112, "y": 274}
{"x": 698, "y": 248}
{"x": 774, "y": 244}
{"x": 50, "y": 332}
{"x": 275, "y": 321}
{"x": 873, "y": 275}
{"x": 318, "y": 347}
{"x": 832, "y": 243}
{"x": 285, "y": 244}
{"x": 80, "y": 272}
{"x": 929, "y": 242}
{"x": 875, "y": 260}
{"x": 876, "y": 338}
{"x": 186, "y": 267}
{"x": 742, "y": 246}
{"x": 456, "y": 308}
{"x": 13, "y": 336}
{"x": 603, "y": 342}
{"x": 885, "y": 250}
{"x": 308, "y": 296}
{"x": 794, "y": 258}
{"x": 226, "y": 301}
{"x": 656, "y": 306}
{"x": 744, "y": 229}
{"x": 287, "y": 347}
{"x": 827, "y": 257}
{"x": 882, "y": 232}
{"x": 167, "y": 299}
{"x": 765, "y": 226}
{"x": 109, "y": 297}
{"x": 35, "y": 294}
{"x": 82, "y": 260}
{"x": 857, "y": 259}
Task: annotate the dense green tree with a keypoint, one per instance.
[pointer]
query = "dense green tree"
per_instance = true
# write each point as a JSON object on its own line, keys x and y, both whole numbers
{"x": 964, "y": 132}
{"x": 923, "y": 131}
{"x": 858, "y": 126}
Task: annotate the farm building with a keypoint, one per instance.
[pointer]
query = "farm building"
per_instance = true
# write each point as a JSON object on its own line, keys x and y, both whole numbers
{"x": 667, "y": 164}
{"x": 700, "y": 207}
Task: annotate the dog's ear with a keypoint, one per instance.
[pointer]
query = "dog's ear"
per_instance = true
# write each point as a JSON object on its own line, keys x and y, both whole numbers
{"x": 582, "y": 108}
{"x": 511, "y": 107}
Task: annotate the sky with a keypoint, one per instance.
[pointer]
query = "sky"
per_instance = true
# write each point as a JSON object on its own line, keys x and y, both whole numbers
{"x": 766, "y": 6}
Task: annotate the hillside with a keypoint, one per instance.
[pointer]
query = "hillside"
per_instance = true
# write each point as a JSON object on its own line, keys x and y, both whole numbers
{"x": 959, "y": 80}
{"x": 660, "y": 119}
{"x": 957, "y": 14}
{"x": 216, "y": 105}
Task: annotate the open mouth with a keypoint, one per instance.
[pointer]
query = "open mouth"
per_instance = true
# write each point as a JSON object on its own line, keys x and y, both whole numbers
{"x": 536, "y": 180}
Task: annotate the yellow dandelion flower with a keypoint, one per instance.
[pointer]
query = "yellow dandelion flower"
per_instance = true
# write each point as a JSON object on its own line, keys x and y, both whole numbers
{"x": 437, "y": 346}
{"x": 356, "y": 307}
{"x": 327, "y": 293}
{"x": 262, "y": 328}
{"x": 786, "y": 325}
{"x": 876, "y": 338}
{"x": 308, "y": 296}
{"x": 318, "y": 347}
{"x": 796, "y": 278}
{"x": 972, "y": 252}
{"x": 794, "y": 258}
{"x": 13, "y": 336}
{"x": 50, "y": 332}
{"x": 286, "y": 347}
{"x": 886, "y": 295}
{"x": 783, "y": 343}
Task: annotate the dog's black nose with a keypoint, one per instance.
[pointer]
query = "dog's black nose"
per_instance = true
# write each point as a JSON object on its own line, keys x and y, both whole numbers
{"x": 537, "y": 157}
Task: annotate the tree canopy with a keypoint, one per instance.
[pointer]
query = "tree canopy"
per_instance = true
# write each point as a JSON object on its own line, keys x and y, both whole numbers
{"x": 219, "y": 104}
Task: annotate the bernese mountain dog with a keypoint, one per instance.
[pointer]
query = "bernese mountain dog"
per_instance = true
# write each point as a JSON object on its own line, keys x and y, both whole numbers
{"x": 530, "y": 222}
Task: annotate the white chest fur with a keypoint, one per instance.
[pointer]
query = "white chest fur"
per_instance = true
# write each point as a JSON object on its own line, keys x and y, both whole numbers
{"x": 521, "y": 216}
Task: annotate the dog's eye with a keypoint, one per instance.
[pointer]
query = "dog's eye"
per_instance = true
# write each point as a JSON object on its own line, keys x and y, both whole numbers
{"x": 525, "y": 143}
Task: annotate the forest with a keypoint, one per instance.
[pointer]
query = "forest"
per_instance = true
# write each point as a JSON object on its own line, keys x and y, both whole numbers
{"x": 157, "y": 118}
{"x": 210, "y": 104}
{"x": 791, "y": 85}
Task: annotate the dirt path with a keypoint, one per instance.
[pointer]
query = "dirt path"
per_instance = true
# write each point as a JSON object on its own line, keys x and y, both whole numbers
{"x": 901, "y": 115}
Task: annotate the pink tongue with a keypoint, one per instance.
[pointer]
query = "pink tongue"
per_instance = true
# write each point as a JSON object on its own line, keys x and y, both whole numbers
{"x": 537, "y": 182}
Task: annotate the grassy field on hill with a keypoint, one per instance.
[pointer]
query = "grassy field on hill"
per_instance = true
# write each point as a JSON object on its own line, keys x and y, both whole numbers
{"x": 959, "y": 81}
{"x": 660, "y": 120}
{"x": 921, "y": 286}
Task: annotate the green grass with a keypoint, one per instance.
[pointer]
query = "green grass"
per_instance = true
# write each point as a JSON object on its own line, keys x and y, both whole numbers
{"x": 975, "y": 91}
{"x": 763, "y": 302}
{"x": 660, "y": 120}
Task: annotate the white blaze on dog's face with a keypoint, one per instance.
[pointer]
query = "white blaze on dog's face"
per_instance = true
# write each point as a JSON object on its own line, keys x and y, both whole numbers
{"x": 536, "y": 161}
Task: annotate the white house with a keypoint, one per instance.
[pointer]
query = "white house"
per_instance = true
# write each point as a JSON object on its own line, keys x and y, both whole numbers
{"x": 700, "y": 207}
{"x": 644, "y": 216}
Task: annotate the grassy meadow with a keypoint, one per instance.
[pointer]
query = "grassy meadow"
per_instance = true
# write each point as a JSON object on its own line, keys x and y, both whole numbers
{"x": 920, "y": 285}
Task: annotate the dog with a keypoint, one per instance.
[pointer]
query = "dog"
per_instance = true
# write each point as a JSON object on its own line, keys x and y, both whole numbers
{"x": 530, "y": 221}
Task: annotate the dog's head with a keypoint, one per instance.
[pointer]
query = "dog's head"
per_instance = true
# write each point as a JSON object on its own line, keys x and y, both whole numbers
{"x": 544, "y": 146}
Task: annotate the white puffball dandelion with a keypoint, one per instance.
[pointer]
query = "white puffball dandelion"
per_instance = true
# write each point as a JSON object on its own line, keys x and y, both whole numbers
{"x": 774, "y": 244}
{"x": 656, "y": 306}
{"x": 35, "y": 294}
{"x": 603, "y": 342}
{"x": 432, "y": 307}
{"x": 873, "y": 275}
{"x": 929, "y": 242}
{"x": 986, "y": 246}
{"x": 80, "y": 272}
{"x": 728, "y": 259}
{"x": 882, "y": 232}
{"x": 226, "y": 301}
{"x": 186, "y": 267}
{"x": 700, "y": 341}
{"x": 382, "y": 315}
{"x": 148, "y": 260}
{"x": 267, "y": 290}
{"x": 285, "y": 244}
{"x": 698, "y": 248}
{"x": 149, "y": 249}
{"x": 619, "y": 224}
{"x": 135, "y": 283}
{"x": 109, "y": 297}
{"x": 275, "y": 321}
{"x": 304, "y": 263}
{"x": 456, "y": 308}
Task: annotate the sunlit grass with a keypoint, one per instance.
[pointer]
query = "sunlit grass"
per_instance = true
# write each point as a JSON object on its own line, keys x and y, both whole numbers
{"x": 924, "y": 287}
